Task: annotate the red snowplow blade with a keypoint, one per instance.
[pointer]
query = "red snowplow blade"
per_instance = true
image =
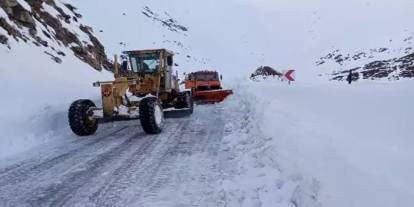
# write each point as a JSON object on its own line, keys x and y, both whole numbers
{"x": 211, "y": 96}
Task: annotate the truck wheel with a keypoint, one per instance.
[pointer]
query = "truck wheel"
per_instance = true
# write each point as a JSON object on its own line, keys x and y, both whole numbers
{"x": 81, "y": 123}
{"x": 151, "y": 115}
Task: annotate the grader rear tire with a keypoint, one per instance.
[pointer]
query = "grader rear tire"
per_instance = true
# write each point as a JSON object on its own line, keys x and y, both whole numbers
{"x": 190, "y": 102}
{"x": 185, "y": 100}
{"x": 151, "y": 115}
{"x": 79, "y": 120}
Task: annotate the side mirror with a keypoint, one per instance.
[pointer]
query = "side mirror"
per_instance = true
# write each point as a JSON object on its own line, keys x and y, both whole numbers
{"x": 124, "y": 66}
{"x": 169, "y": 60}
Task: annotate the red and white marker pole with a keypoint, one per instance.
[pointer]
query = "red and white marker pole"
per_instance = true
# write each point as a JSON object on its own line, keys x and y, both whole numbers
{"x": 290, "y": 75}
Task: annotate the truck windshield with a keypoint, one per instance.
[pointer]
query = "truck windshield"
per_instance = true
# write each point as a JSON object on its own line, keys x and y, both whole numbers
{"x": 204, "y": 76}
{"x": 148, "y": 63}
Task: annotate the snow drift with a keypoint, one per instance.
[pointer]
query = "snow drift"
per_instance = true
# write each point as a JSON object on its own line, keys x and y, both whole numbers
{"x": 321, "y": 145}
{"x": 36, "y": 95}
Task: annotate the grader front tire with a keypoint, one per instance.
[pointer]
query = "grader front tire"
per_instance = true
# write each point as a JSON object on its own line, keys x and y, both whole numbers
{"x": 151, "y": 115}
{"x": 79, "y": 120}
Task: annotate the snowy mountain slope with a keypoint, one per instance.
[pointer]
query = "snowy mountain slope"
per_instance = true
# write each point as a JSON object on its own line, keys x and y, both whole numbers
{"x": 51, "y": 26}
{"x": 394, "y": 62}
{"x": 237, "y": 36}
{"x": 38, "y": 35}
{"x": 169, "y": 22}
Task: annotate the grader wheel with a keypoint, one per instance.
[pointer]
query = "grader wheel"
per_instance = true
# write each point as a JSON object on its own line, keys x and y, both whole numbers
{"x": 185, "y": 100}
{"x": 80, "y": 121}
{"x": 151, "y": 115}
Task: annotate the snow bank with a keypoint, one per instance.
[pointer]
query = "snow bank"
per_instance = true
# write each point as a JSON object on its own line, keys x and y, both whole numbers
{"x": 36, "y": 95}
{"x": 336, "y": 145}
{"x": 257, "y": 177}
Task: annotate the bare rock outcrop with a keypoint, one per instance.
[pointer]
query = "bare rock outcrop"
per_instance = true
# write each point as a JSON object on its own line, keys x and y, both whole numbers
{"x": 264, "y": 72}
{"x": 51, "y": 24}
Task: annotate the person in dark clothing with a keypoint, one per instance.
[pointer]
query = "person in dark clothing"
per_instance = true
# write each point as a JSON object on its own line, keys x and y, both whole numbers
{"x": 349, "y": 78}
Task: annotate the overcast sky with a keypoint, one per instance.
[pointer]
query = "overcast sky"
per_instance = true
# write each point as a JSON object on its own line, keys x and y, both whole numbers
{"x": 236, "y": 36}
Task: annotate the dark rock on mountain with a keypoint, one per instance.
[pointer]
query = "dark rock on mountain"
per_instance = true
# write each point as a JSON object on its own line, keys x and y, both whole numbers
{"x": 3, "y": 39}
{"x": 167, "y": 22}
{"x": 392, "y": 69}
{"x": 39, "y": 21}
{"x": 54, "y": 57}
{"x": 264, "y": 72}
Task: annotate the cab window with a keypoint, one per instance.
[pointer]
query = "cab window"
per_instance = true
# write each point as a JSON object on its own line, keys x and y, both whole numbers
{"x": 148, "y": 63}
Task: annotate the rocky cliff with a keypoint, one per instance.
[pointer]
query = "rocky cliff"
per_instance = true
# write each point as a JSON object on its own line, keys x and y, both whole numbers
{"x": 51, "y": 25}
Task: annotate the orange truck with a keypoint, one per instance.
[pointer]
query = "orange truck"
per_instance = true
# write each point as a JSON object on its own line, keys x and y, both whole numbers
{"x": 206, "y": 87}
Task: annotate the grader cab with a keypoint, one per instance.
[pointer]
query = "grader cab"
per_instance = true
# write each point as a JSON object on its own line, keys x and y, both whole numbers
{"x": 144, "y": 86}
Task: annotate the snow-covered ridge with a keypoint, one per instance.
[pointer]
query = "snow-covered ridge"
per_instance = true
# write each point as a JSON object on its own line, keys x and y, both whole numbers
{"x": 51, "y": 26}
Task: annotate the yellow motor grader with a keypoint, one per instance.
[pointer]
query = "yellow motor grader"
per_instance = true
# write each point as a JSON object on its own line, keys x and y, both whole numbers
{"x": 144, "y": 86}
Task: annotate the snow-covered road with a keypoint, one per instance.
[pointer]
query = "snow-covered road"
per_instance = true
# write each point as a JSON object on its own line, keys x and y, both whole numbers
{"x": 269, "y": 144}
{"x": 121, "y": 166}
